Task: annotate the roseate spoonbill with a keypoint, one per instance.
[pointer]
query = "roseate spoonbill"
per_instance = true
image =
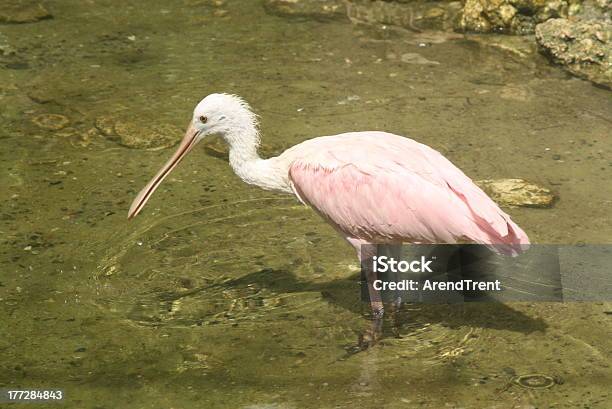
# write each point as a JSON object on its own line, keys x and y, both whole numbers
{"x": 372, "y": 187}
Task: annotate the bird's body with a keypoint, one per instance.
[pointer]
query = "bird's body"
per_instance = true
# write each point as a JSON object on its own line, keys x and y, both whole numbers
{"x": 372, "y": 187}
{"x": 378, "y": 187}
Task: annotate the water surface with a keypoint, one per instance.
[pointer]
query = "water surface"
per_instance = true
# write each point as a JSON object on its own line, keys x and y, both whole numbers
{"x": 222, "y": 295}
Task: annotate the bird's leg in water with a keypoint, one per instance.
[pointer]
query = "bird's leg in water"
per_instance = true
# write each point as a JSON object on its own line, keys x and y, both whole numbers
{"x": 394, "y": 251}
{"x": 374, "y": 332}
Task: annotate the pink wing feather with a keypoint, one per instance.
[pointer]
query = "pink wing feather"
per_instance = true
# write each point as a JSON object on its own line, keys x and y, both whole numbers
{"x": 381, "y": 187}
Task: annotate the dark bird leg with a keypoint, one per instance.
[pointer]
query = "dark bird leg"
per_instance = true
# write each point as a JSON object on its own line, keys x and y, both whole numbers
{"x": 395, "y": 251}
{"x": 372, "y": 335}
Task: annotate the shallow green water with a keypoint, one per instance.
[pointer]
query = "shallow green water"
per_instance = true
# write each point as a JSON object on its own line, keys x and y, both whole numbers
{"x": 221, "y": 295}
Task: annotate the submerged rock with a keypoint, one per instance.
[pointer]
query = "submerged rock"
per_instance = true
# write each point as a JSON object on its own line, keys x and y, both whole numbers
{"x": 535, "y": 381}
{"x": 479, "y": 16}
{"x": 106, "y": 125}
{"x": 413, "y": 15}
{"x": 22, "y": 11}
{"x": 138, "y": 136}
{"x": 150, "y": 137}
{"x": 414, "y": 58}
{"x": 511, "y": 16}
{"x": 520, "y": 46}
{"x": 581, "y": 47}
{"x": 517, "y": 192}
{"x": 316, "y": 9}
{"x": 53, "y": 122}
{"x": 516, "y": 92}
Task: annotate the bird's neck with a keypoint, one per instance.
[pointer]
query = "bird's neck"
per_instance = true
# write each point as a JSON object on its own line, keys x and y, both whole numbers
{"x": 243, "y": 157}
{"x": 248, "y": 165}
{"x": 243, "y": 142}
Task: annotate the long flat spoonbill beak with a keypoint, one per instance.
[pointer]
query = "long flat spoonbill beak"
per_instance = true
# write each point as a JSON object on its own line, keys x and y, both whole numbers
{"x": 189, "y": 141}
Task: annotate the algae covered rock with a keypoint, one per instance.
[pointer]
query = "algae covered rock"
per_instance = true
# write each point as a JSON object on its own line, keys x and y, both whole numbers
{"x": 581, "y": 47}
{"x": 316, "y": 9}
{"x": 511, "y": 16}
{"x": 517, "y": 192}
{"x": 22, "y": 11}
{"x": 149, "y": 136}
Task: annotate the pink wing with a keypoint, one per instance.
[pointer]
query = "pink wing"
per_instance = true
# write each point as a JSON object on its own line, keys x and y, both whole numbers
{"x": 381, "y": 187}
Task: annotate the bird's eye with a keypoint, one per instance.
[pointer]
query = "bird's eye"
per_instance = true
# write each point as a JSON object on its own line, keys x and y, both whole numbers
{"x": 203, "y": 119}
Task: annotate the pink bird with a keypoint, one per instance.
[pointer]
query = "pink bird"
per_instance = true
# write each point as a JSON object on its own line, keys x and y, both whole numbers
{"x": 372, "y": 187}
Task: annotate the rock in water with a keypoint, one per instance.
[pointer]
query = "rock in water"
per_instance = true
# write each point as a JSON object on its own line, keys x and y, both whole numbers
{"x": 581, "y": 47}
{"x": 52, "y": 122}
{"x": 414, "y": 58}
{"x": 535, "y": 381}
{"x": 106, "y": 125}
{"x": 510, "y": 16}
{"x": 22, "y": 11}
{"x": 517, "y": 192}
{"x": 316, "y": 9}
{"x": 149, "y": 136}
{"x": 413, "y": 15}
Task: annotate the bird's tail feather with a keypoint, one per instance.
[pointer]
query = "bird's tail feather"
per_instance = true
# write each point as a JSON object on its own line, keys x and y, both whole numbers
{"x": 512, "y": 244}
{"x": 497, "y": 230}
